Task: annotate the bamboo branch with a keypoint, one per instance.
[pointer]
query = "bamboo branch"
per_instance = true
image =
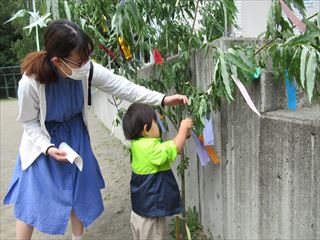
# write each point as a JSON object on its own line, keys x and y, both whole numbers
{"x": 195, "y": 16}
{"x": 271, "y": 41}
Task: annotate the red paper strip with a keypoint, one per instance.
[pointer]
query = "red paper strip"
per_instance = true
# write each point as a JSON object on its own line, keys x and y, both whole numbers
{"x": 157, "y": 56}
{"x": 108, "y": 51}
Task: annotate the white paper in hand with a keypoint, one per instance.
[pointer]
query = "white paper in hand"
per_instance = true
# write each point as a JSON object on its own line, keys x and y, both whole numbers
{"x": 72, "y": 156}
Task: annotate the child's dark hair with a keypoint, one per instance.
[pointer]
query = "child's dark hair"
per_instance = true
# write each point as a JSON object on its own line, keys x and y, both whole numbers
{"x": 137, "y": 115}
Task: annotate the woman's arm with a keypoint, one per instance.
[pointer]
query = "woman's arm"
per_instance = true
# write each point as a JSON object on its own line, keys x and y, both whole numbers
{"x": 29, "y": 111}
{"x": 117, "y": 85}
{"x": 175, "y": 100}
{"x": 121, "y": 87}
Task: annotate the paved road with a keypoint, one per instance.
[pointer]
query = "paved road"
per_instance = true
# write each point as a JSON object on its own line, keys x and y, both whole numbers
{"x": 114, "y": 162}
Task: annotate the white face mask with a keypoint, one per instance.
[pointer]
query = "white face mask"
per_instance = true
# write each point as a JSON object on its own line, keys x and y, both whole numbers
{"x": 78, "y": 73}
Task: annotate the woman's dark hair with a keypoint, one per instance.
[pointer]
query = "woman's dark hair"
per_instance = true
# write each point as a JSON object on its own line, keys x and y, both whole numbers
{"x": 60, "y": 38}
{"x": 137, "y": 115}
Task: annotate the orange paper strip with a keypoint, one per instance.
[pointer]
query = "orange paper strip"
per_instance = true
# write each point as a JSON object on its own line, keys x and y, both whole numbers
{"x": 210, "y": 151}
{"x": 212, "y": 154}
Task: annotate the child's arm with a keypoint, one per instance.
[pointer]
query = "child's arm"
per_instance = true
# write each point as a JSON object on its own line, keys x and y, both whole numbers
{"x": 183, "y": 133}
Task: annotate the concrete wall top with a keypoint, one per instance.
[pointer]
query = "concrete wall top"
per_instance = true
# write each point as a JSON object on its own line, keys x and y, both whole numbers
{"x": 308, "y": 115}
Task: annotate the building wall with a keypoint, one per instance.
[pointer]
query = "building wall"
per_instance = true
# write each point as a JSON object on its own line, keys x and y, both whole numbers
{"x": 252, "y": 15}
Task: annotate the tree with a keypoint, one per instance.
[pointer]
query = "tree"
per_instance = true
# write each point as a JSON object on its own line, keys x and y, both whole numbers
{"x": 18, "y": 41}
{"x": 10, "y": 33}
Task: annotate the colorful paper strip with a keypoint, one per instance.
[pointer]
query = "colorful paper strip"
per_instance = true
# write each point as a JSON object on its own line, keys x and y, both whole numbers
{"x": 293, "y": 18}
{"x": 163, "y": 129}
{"x": 209, "y": 149}
{"x": 291, "y": 93}
{"x": 245, "y": 94}
{"x": 157, "y": 56}
{"x": 208, "y": 133}
{"x": 202, "y": 153}
{"x": 108, "y": 51}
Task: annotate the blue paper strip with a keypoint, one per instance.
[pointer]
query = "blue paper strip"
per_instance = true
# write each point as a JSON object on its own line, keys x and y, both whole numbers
{"x": 201, "y": 151}
{"x": 163, "y": 129}
{"x": 291, "y": 93}
{"x": 208, "y": 133}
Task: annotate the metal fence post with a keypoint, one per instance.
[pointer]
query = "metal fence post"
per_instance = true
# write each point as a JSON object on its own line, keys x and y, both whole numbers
{"x": 8, "y": 81}
{"x": 6, "y": 86}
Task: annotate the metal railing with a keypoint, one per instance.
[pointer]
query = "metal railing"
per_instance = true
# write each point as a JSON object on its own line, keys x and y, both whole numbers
{"x": 9, "y": 77}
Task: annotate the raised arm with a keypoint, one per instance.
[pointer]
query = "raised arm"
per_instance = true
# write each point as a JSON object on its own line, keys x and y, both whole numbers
{"x": 121, "y": 87}
{"x": 183, "y": 133}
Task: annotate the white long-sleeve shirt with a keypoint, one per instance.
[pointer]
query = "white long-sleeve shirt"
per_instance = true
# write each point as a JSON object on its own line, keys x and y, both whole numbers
{"x": 32, "y": 107}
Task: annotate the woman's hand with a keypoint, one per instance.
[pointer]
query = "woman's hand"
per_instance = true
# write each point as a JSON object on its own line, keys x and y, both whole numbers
{"x": 175, "y": 100}
{"x": 57, "y": 154}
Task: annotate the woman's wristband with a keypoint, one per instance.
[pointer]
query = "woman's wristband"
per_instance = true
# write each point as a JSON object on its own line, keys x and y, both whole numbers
{"x": 49, "y": 148}
{"x": 162, "y": 102}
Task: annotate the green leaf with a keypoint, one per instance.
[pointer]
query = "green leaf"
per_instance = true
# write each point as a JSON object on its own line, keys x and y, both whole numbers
{"x": 202, "y": 111}
{"x": 237, "y": 60}
{"x": 94, "y": 29}
{"x": 303, "y": 65}
{"x": 245, "y": 57}
{"x": 303, "y": 39}
{"x": 225, "y": 75}
{"x": 215, "y": 71}
{"x": 300, "y": 6}
{"x": 311, "y": 73}
{"x": 271, "y": 20}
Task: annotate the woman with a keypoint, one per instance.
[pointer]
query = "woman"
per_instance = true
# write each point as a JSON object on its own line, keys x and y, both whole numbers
{"x": 45, "y": 189}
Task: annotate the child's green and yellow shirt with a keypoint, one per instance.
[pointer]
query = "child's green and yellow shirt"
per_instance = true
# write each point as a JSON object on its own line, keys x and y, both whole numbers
{"x": 154, "y": 190}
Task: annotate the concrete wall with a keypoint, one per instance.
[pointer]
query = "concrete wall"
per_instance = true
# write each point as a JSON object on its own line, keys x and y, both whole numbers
{"x": 289, "y": 174}
{"x": 267, "y": 185}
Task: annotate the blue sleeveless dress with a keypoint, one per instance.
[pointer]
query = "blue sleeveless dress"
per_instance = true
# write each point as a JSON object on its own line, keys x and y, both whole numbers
{"x": 46, "y": 192}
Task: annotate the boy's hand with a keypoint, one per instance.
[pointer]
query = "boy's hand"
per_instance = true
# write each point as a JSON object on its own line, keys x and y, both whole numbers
{"x": 183, "y": 133}
{"x": 187, "y": 125}
{"x": 189, "y": 133}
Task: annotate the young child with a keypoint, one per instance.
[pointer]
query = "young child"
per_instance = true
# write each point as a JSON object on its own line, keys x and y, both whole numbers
{"x": 154, "y": 190}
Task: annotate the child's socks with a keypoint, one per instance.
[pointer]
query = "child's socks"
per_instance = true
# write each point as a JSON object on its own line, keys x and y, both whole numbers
{"x": 76, "y": 237}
